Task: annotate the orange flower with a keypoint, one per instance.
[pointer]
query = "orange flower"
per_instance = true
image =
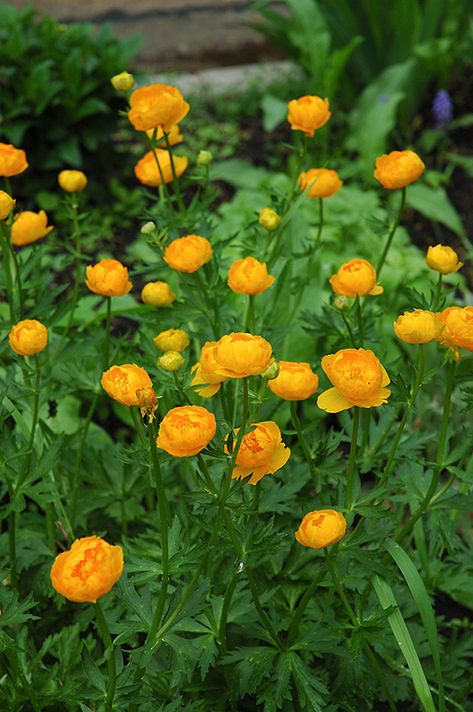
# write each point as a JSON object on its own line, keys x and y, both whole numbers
{"x": 321, "y": 528}
{"x": 326, "y": 183}
{"x": 308, "y": 113}
{"x": 295, "y": 381}
{"x": 108, "y": 278}
{"x": 418, "y": 327}
{"x": 356, "y": 277}
{"x": 158, "y": 294}
{"x": 12, "y": 160}
{"x": 458, "y": 332}
{"x": 157, "y": 105}
{"x": 128, "y": 384}
{"x": 261, "y": 452}
{"x": 443, "y": 259}
{"x": 249, "y": 276}
{"x": 172, "y": 340}
{"x": 398, "y": 169}
{"x": 203, "y": 383}
{"x": 29, "y": 227}
{"x": 174, "y": 135}
{"x": 72, "y": 181}
{"x": 237, "y": 355}
{"x": 148, "y": 173}
{"x": 186, "y": 430}
{"x": 28, "y": 337}
{"x": 88, "y": 570}
{"x": 188, "y": 253}
{"x": 7, "y": 205}
{"x": 358, "y": 378}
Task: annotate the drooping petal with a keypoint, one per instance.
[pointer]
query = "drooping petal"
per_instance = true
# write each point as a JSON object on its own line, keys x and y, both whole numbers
{"x": 332, "y": 401}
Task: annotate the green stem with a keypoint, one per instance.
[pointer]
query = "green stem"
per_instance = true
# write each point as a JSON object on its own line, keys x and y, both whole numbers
{"x": 34, "y": 422}
{"x": 250, "y": 320}
{"x": 109, "y": 655}
{"x": 261, "y": 612}
{"x": 162, "y": 189}
{"x": 77, "y": 467}
{"x": 349, "y": 329}
{"x": 12, "y": 549}
{"x": 175, "y": 180}
{"x": 222, "y": 638}
{"x": 391, "y": 233}
{"x": 352, "y": 460}
{"x": 438, "y": 293}
{"x": 209, "y": 308}
{"x": 6, "y": 267}
{"x": 313, "y": 252}
{"x": 305, "y": 448}
{"x": 106, "y": 345}
{"x": 359, "y": 316}
{"x": 294, "y": 627}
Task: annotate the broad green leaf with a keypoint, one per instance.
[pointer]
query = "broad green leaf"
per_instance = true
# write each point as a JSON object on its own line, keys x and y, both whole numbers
{"x": 435, "y": 205}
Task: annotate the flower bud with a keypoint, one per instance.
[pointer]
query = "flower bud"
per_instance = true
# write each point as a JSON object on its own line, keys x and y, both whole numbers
{"x": 296, "y": 381}
{"x": 123, "y": 81}
{"x": 418, "y": 327}
{"x": 204, "y": 158}
{"x": 171, "y": 340}
{"x": 6, "y": 205}
{"x": 148, "y": 228}
{"x": 271, "y": 371}
{"x": 158, "y": 294}
{"x": 72, "y": 181}
{"x": 341, "y": 303}
{"x": 269, "y": 219}
{"x": 443, "y": 259}
{"x": 321, "y": 528}
{"x": 171, "y": 361}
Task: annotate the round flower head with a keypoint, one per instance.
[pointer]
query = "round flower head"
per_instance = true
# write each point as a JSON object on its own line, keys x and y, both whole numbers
{"x": 358, "y": 378}
{"x": 418, "y": 327}
{"x": 321, "y": 528}
{"x": 123, "y": 81}
{"x": 128, "y": 384}
{"x": 172, "y": 340}
{"x": 238, "y": 355}
{"x": 295, "y": 381}
{"x": 261, "y": 452}
{"x": 249, "y": 276}
{"x": 173, "y": 133}
{"x": 356, "y": 277}
{"x": 171, "y": 361}
{"x": 7, "y": 205}
{"x": 28, "y": 337}
{"x": 29, "y": 227}
{"x": 308, "y": 113}
{"x": 148, "y": 172}
{"x": 398, "y": 169}
{"x": 88, "y": 570}
{"x": 326, "y": 183}
{"x": 72, "y": 181}
{"x": 12, "y": 160}
{"x": 186, "y": 430}
{"x": 269, "y": 219}
{"x": 157, "y": 105}
{"x": 443, "y": 259}
{"x": 158, "y": 294}
{"x": 458, "y": 331}
{"x": 108, "y": 278}
{"x": 188, "y": 253}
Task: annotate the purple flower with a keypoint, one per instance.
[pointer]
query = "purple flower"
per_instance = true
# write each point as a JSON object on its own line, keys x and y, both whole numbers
{"x": 442, "y": 109}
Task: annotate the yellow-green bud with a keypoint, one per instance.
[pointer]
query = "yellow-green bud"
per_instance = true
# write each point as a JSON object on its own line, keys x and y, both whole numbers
{"x": 269, "y": 219}
{"x": 123, "y": 81}
{"x": 204, "y": 158}
{"x": 271, "y": 371}
{"x": 341, "y": 303}
{"x": 6, "y": 205}
{"x": 148, "y": 228}
{"x": 171, "y": 361}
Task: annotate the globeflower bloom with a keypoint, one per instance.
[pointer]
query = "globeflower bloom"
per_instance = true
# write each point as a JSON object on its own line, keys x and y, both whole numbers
{"x": 327, "y": 182}
{"x": 295, "y": 381}
{"x": 237, "y": 355}
{"x": 418, "y": 327}
{"x": 398, "y": 169}
{"x": 88, "y": 570}
{"x": 321, "y": 528}
{"x": 172, "y": 340}
{"x": 174, "y": 136}
{"x": 308, "y": 113}
{"x": 458, "y": 331}
{"x": 443, "y": 259}
{"x": 28, "y": 337}
{"x": 358, "y": 379}
{"x": 355, "y": 278}
{"x": 72, "y": 181}
{"x": 186, "y": 430}
{"x": 158, "y": 294}
{"x": 205, "y": 372}
{"x": 148, "y": 173}
{"x": 29, "y": 227}
{"x": 7, "y": 205}
{"x": 188, "y": 253}
{"x": 261, "y": 452}
{"x": 129, "y": 385}
{"x": 249, "y": 276}
{"x": 108, "y": 278}
{"x": 157, "y": 105}
{"x": 12, "y": 160}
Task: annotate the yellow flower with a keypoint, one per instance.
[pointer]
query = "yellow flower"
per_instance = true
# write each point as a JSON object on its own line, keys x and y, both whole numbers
{"x": 158, "y": 294}
{"x": 269, "y": 219}
{"x": 88, "y": 570}
{"x": 204, "y": 384}
{"x": 237, "y": 355}
{"x": 261, "y": 452}
{"x": 7, "y": 205}
{"x": 186, "y": 430}
{"x": 249, "y": 276}
{"x": 326, "y": 183}
{"x": 188, "y": 253}
{"x": 12, "y": 160}
{"x": 321, "y": 528}
{"x": 458, "y": 331}
{"x": 148, "y": 173}
{"x": 108, "y": 278}
{"x": 157, "y": 105}
{"x": 28, "y": 337}
{"x": 72, "y": 181}
{"x": 358, "y": 378}
{"x": 418, "y": 327}
{"x": 128, "y": 384}
{"x": 29, "y": 227}
{"x": 171, "y": 361}
{"x": 443, "y": 259}
{"x": 308, "y": 113}
{"x": 356, "y": 277}
{"x": 295, "y": 381}
{"x": 123, "y": 81}
{"x": 174, "y": 136}
{"x": 172, "y": 340}
{"x": 398, "y": 169}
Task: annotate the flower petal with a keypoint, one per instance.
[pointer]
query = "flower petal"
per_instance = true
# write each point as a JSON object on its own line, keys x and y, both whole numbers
{"x": 378, "y": 289}
{"x": 333, "y": 401}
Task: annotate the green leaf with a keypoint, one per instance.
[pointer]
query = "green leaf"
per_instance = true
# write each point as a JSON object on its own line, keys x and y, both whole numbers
{"x": 315, "y": 692}
{"x": 274, "y": 111}
{"x": 435, "y": 205}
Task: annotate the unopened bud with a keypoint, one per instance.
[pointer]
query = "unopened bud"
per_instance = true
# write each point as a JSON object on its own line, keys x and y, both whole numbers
{"x": 6, "y": 205}
{"x": 269, "y": 219}
{"x": 341, "y": 303}
{"x": 123, "y": 81}
{"x": 271, "y": 371}
{"x": 148, "y": 228}
{"x": 204, "y": 158}
{"x": 171, "y": 361}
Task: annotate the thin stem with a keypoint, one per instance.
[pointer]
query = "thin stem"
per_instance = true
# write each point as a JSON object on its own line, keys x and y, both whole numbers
{"x": 12, "y": 549}
{"x": 224, "y": 613}
{"x": 250, "y": 321}
{"x": 77, "y": 467}
{"x": 438, "y": 293}
{"x": 313, "y": 252}
{"x": 359, "y": 316}
{"x": 106, "y": 345}
{"x": 78, "y": 260}
{"x": 349, "y": 329}
{"x": 208, "y": 305}
{"x": 352, "y": 460}
{"x": 175, "y": 181}
{"x": 391, "y": 233}
{"x": 109, "y": 655}
{"x": 305, "y": 448}
{"x": 261, "y": 612}
{"x": 6, "y": 266}
{"x": 294, "y": 627}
